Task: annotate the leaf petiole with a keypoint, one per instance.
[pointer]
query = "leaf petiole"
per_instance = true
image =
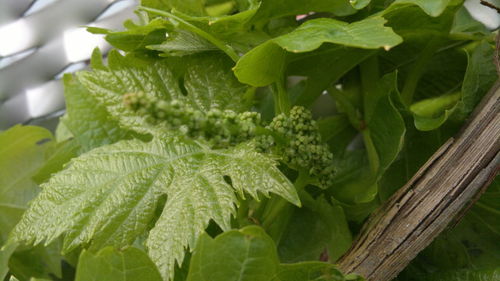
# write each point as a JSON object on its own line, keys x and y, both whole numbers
{"x": 280, "y": 96}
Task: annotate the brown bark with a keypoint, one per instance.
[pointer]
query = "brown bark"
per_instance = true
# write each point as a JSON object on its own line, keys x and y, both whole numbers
{"x": 436, "y": 195}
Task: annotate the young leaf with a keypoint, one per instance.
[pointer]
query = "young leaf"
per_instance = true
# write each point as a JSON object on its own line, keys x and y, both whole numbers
{"x": 209, "y": 84}
{"x": 264, "y": 64}
{"x": 87, "y": 121}
{"x": 182, "y": 43}
{"x": 109, "y": 195}
{"x": 247, "y": 254}
{"x": 136, "y": 37}
{"x": 116, "y": 265}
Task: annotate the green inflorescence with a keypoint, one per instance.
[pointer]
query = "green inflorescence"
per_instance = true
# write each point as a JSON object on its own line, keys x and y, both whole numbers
{"x": 219, "y": 128}
{"x": 294, "y": 137}
{"x": 304, "y": 148}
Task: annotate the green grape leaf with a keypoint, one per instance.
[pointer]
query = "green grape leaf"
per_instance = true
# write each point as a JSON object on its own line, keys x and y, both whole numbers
{"x": 417, "y": 27}
{"x": 386, "y": 125}
{"x": 433, "y": 8}
{"x": 464, "y": 23}
{"x": 383, "y": 134}
{"x": 116, "y": 265}
{"x": 327, "y": 233}
{"x": 207, "y": 81}
{"x": 22, "y": 152}
{"x": 431, "y": 113}
{"x": 359, "y": 4}
{"x": 479, "y": 77}
{"x": 62, "y": 132}
{"x": 210, "y": 83}
{"x": 108, "y": 84}
{"x": 263, "y": 65}
{"x": 465, "y": 275}
{"x": 233, "y": 27}
{"x": 191, "y": 7}
{"x": 182, "y": 43}
{"x": 337, "y": 131}
{"x": 279, "y": 8}
{"x": 108, "y": 196}
{"x": 5, "y": 254}
{"x": 247, "y": 254}
{"x": 40, "y": 261}
{"x": 309, "y": 271}
{"x": 136, "y": 37}
{"x": 323, "y": 67}
{"x": 62, "y": 153}
{"x": 88, "y": 122}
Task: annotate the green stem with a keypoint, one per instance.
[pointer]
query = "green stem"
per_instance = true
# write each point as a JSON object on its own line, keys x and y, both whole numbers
{"x": 411, "y": 82}
{"x": 370, "y": 81}
{"x": 370, "y": 77}
{"x": 188, "y": 26}
{"x": 242, "y": 215}
{"x": 373, "y": 158}
{"x": 282, "y": 102}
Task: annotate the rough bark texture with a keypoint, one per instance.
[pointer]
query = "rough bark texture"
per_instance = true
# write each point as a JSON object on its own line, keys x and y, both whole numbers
{"x": 434, "y": 197}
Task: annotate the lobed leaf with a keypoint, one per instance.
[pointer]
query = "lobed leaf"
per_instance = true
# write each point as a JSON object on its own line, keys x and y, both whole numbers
{"x": 207, "y": 82}
{"x": 88, "y": 122}
{"x": 108, "y": 196}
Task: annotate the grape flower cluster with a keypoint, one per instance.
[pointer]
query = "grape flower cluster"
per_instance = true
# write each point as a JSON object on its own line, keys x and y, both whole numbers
{"x": 219, "y": 128}
{"x": 294, "y": 137}
{"x": 304, "y": 148}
